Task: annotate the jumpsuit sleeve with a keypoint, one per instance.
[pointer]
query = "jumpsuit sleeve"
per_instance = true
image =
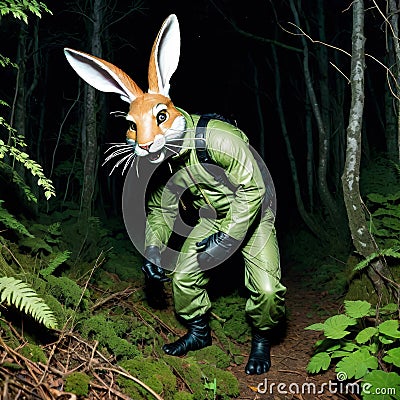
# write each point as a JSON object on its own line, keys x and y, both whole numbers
{"x": 162, "y": 209}
{"x": 233, "y": 154}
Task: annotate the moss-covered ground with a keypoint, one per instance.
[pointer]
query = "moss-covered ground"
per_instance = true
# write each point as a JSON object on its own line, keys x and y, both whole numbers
{"x": 111, "y": 325}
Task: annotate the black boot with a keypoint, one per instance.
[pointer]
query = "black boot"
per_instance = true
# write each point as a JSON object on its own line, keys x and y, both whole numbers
{"x": 259, "y": 358}
{"x": 197, "y": 337}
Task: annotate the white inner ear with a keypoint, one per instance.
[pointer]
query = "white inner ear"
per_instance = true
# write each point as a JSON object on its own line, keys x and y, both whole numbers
{"x": 167, "y": 53}
{"x": 97, "y": 74}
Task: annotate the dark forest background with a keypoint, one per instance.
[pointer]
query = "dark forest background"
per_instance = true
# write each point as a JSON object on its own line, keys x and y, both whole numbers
{"x": 282, "y": 70}
{"x": 290, "y": 93}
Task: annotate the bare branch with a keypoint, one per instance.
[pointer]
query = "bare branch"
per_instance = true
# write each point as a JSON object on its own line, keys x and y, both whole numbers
{"x": 253, "y": 36}
{"x": 389, "y": 72}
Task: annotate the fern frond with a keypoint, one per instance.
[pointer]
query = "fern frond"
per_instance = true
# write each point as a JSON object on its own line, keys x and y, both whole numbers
{"x": 35, "y": 169}
{"x": 32, "y": 166}
{"x": 11, "y": 222}
{"x": 54, "y": 229}
{"x": 391, "y": 252}
{"x": 396, "y": 167}
{"x": 55, "y": 262}
{"x": 16, "y": 292}
{"x": 15, "y": 177}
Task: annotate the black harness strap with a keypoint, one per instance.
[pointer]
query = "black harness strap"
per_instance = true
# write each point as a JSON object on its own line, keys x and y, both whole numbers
{"x": 201, "y": 147}
{"x": 204, "y": 157}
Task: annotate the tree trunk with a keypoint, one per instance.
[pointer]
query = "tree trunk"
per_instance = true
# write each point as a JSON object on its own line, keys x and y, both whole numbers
{"x": 339, "y": 133}
{"x": 313, "y": 225}
{"x": 310, "y": 153}
{"x": 323, "y": 67}
{"x": 363, "y": 241}
{"x": 89, "y": 131}
{"x": 393, "y": 135}
{"x": 19, "y": 110}
{"x": 328, "y": 201}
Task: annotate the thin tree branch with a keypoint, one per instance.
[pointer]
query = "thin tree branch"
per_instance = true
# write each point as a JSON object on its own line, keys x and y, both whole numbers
{"x": 253, "y": 36}
{"x": 389, "y": 72}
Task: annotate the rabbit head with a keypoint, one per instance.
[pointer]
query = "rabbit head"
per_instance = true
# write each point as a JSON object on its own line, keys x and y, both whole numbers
{"x": 153, "y": 120}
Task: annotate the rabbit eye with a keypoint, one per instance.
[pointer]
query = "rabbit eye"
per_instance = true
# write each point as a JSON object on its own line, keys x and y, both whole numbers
{"x": 162, "y": 116}
{"x": 132, "y": 126}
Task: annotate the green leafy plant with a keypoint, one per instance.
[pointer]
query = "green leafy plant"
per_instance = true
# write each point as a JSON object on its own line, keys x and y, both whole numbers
{"x": 390, "y": 252}
{"x": 55, "y": 262}
{"x": 9, "y": 221}
{"x": 19, "y": 8}
{"x": 212, "y": 386}
{"x": 18, "y": 293}
{"x": 385, "y": 219}
{"x": 359, "y": 348}
{"x": 15, "y": 153}
{"x": 12, "y": 146}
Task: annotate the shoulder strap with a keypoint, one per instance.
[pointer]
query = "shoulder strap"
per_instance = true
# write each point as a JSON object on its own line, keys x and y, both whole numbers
{"x": 201, "y": 147}
{"x": 204, "y": 156}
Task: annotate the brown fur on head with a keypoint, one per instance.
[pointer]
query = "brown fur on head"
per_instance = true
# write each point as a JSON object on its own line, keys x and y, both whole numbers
{"x": 152, "y": 117}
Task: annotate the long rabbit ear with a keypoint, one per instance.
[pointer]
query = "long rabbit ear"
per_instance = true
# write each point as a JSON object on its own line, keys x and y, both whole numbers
{"x": 164, "y": 56}
{"x": 103, "y": 75}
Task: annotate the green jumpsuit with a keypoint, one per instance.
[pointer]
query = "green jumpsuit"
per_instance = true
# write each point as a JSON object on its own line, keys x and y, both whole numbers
{"x": 234, "y": 209}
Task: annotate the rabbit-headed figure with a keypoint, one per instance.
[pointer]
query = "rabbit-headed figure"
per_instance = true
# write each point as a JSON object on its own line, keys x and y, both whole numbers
{"x": 235, "y": 215}
{"x": 153, "y": 119}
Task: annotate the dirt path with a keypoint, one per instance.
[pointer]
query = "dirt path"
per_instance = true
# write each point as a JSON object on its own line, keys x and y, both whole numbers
{"x": 288, "y": 378}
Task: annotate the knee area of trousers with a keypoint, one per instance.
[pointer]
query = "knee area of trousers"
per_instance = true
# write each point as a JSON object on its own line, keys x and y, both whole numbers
{"x": 180, "y": 279}
{"x": 268, "y": 292}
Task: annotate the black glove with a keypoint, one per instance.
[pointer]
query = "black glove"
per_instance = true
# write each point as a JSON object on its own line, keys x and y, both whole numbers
{"x": 151, "y": 268}
{"x": 216, "y": 248}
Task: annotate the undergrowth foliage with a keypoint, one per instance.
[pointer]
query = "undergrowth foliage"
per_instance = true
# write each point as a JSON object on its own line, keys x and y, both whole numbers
{"x": 18, "y": 293}
{"x": 12, "y": 290}
{"x": 363, "y": 342}
{"x": 361, "y": 346}
{"x": 20, "y": 8}
{"x": 13, "y": 149}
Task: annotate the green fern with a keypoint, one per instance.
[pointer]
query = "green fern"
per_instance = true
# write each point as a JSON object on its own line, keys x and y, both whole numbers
{"x": 16, "y": 292}
{"x": 11, "y": 174}
{"x": 392, "y": 252}
{"x": 11, "y": 222}
{"x": 55, "y": 229}
{"x": 31, "y": 165}
{"x": 55, "y": 262}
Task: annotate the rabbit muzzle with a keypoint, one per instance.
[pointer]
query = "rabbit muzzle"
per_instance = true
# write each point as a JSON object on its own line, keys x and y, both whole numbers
{"x": 154, "y": 151}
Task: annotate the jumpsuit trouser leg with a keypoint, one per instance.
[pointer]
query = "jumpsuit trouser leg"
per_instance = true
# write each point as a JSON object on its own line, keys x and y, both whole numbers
{"x": 265, "y": 306}
{"x": 189, "y": 281}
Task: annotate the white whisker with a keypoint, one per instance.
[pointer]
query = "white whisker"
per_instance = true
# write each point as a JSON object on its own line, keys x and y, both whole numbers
{"x": 118, "y": 145}
{"x": 128, "y": 161}
{"x": 116, "y": 154}
{"x": 178, "y": 146}
{"x": 183, "y": 138}
{"x": 119, "y": 163}
{"x": 173, "y": 151}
